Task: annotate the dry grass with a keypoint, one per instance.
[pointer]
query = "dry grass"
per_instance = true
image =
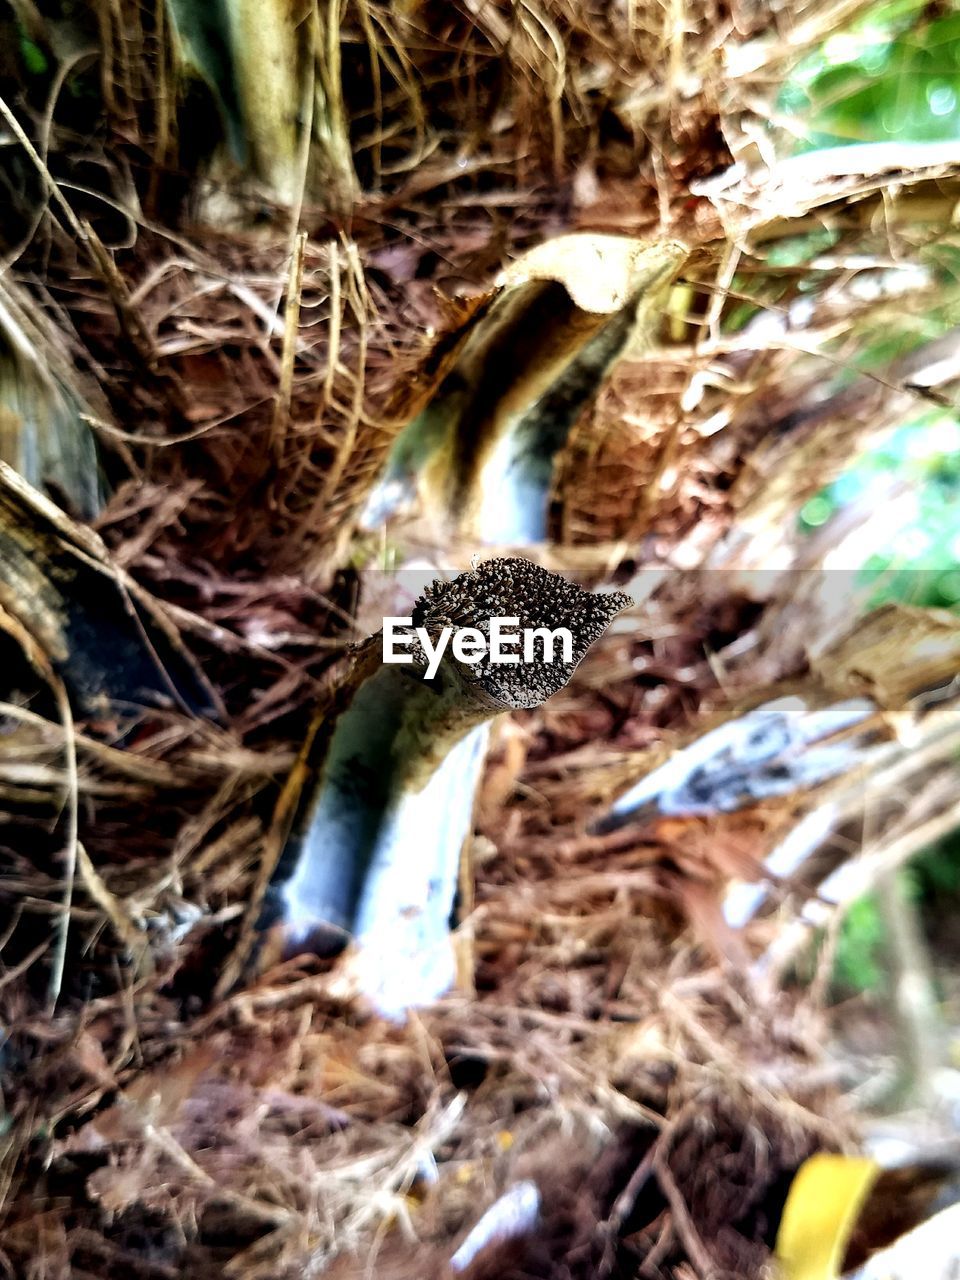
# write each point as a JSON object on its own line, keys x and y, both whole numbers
{"x": 244, "y": 386}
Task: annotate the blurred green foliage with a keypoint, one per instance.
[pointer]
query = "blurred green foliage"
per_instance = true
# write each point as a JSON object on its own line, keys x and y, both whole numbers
{"x": 858, "y": 962}
{"x": 919, "y": 563}
{"x": 932, "y": 881}
{"x": 892, "y": 76}
{"x": 34, "y": 59}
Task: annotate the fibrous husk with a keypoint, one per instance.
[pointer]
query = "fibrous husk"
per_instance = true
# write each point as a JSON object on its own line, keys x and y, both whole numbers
{"x": 253, "y": 384}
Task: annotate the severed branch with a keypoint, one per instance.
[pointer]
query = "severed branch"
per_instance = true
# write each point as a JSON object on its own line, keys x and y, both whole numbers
{"x": 479, "y": 459}
{"x": 387, "y": 795}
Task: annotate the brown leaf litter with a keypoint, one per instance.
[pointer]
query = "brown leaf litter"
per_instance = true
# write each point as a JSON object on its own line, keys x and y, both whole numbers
{"x": 244, "y": 387}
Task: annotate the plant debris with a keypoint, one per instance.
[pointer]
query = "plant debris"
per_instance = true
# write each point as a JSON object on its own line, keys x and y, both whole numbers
{"x": 247, "y": 252}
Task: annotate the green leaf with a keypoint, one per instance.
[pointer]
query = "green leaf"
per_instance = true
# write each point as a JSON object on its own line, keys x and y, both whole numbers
{"x": 34, "y": 59}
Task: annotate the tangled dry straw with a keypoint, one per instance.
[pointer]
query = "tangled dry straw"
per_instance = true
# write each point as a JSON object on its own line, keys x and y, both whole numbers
{"x": 244, "y": 364}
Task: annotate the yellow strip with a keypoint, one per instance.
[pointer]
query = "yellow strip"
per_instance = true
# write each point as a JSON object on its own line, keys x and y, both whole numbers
{"x": 822, "y": 1208}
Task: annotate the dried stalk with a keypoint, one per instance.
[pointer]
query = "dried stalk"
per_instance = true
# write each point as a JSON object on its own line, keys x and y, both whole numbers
{"x": 375, "y": 846}
{"x": 275, "y": 71}
{"x": 480, "y": 457}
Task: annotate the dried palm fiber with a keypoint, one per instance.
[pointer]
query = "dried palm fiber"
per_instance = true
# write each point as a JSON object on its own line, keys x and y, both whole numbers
{"x": 678, "y": 463}
{"x": 309, "y": 455}
{"x": 244, "y": 1212}
{"x": 105, "y": 712}
{"x": 311, "y": 1105}
{"x": 562, "y": 953}
{"x": 557, "y": 958}
{"x": 276, "y": 438}
{"x": 222, "y": 1190}
{"x": 678, "y": 448}
{"x": 727, "y": 797}
{"x": 542, "y": 947}
{"x": 746, "y": 426}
